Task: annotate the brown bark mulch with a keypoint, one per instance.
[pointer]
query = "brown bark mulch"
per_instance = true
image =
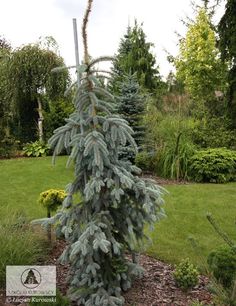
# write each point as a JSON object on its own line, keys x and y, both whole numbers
{"x": 164, "y": 181}
{"x": 156, "y": 287}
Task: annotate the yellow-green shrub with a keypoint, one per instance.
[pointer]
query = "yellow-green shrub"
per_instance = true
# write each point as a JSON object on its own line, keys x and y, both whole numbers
{"x": 186, "y": 275}
{"x": 51, "y": 199}
{"x": 214, "y": 165}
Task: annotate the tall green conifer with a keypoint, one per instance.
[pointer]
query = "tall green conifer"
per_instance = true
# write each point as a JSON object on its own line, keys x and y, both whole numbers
{"x": 199, "y": 67}
{"x": 115, "y": 202}
{"x": 227, "y": 43}
{"x": 135, "y": 56}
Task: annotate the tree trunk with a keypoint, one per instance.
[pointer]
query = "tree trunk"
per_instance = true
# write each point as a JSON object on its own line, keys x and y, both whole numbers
{"x": 49, "y": 228}
{"x": 40, "y": 119}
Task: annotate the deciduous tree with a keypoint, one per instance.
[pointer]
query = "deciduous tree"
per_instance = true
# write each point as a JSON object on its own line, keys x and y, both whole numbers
{"x": 5, "y": 95}
{"x": 31, "y": 78}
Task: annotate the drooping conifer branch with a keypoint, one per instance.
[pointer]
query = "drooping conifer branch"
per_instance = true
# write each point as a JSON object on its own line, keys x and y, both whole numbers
{"x": 115, "y": 203}
{"x": 84, "y": 31}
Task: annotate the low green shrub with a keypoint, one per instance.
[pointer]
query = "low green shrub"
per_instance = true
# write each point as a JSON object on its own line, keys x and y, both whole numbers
{"x": 214, "y": 132}
{"x": 36, "y": 149}
{"x": 222, "y": 263}
{"x": 19, "y": 244}
{"x": 55, "y": 113}
{"x": 146, "y": 161}
{"x": 8, "y": 147}
{"x": 213, "y": 165}
{"x": 186, "y": 275}
{"x": 51, "y": 199}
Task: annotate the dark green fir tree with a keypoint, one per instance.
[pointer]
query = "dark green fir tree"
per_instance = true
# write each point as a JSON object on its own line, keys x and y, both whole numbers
{"x": 115, "y": 202}
{"x": 134, "y": 56}
{"x": 131, "y": 105}
{"x": 227, "y": 44}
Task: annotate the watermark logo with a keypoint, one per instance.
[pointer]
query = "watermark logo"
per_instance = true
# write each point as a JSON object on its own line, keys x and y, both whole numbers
{"x": 31, "y": 281}
{"x": 31, "y": 278}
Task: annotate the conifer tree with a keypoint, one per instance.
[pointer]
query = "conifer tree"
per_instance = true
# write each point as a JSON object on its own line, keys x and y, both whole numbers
{"x": 227, "y": 43}
{"x": 115, "y": 202}
{"x": 198, "y": 65}
{"x": 135, "y": 56}
{"x": 131, "y": 108}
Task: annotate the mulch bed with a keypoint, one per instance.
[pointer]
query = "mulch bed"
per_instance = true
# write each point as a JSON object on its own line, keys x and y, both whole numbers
{"x": 156, "y": 287}
{"x": 162, "y": 181}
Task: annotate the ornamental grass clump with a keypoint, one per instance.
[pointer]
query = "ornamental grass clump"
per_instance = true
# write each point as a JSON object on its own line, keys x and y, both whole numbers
{"x": 115, "y": 202}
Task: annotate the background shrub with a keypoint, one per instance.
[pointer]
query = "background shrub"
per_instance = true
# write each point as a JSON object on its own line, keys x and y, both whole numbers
{"x": 146, "y": 161}
{"x": 213, "y": 165}
{"x": 186, "y": 275}
{"x": 54, "y": 115}
{"x": 222, "y": 263}
{"x": 36, "y": 149}
{"x": 8, "y": 147}
{"x": 214, "y": 132}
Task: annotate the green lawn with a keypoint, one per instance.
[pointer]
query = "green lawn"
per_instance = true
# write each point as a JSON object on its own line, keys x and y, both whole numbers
{"x": 22, "y": 180}
{"x": 186, "y": 208}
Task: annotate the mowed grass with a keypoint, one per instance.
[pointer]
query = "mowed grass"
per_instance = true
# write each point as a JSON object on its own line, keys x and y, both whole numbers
{"x": 22, "y": 180}
{"x": 186, "y": 207}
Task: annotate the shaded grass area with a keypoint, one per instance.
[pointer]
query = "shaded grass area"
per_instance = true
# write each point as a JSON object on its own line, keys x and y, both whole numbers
{"x": 186, "y": 207}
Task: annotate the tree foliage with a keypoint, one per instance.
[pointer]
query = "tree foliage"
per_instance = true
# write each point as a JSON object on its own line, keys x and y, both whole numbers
{"x": 31, "y": 78}
{"x": 4, "y": 44}
{"x": 135, "y": 56}
{"x": 131, "y": 105}
{"x": 5, "y": 106}
{"x": 227, "y": 44}
{"x": 198, "y": 64}
{"x": 115, "y": 202}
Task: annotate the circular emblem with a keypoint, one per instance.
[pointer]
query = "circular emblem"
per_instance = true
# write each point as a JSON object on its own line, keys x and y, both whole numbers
{"x": 31, "y": 278}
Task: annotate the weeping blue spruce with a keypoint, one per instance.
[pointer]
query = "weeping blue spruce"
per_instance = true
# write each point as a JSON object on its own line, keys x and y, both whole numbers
{"x": 116, "y": 204}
